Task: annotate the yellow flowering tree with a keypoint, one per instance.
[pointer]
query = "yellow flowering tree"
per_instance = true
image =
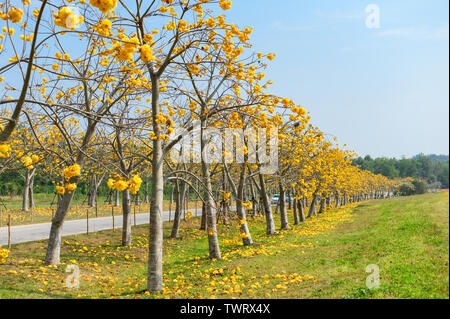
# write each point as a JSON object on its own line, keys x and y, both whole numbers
{"x": 12, "y": 15}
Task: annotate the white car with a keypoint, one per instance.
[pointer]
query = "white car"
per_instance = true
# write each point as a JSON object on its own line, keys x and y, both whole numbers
{"x": 275, "y": 199}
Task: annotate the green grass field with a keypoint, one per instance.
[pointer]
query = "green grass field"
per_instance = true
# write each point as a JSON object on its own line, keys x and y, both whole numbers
{"x": 325, "y": 257}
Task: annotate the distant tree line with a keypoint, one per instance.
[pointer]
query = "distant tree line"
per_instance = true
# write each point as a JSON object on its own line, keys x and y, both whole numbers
{"x": 12, "y": 183}
{"x": 430, "y": 168}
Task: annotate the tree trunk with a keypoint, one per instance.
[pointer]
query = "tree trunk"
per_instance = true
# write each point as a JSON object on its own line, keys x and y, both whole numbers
{"x": 267, "y": 209}
{"x": 91, "y": 199}
{"x": 211, "y": 217}
{"x": 137, "y": 199}
{"x": 295, "y": 211}
{"x": 93, "y": 196}
{"x": 155, "y": 247}
{"x": 116, "y": 198}
{"x": 185, "y": 200}
{"x": 203, "y": 219}
{"x": 126, "y": 215}
{"x": 31, "y": 189}
{"x": 178, "y": 208}
{"x": 146, "y": 199}
{"x": 283, "y": 211}
{"x": 301, "y": 212}
{"x": 254, "y": 201}
{"x": 92, "y": 192}
{"x": 211, "y": 222}
{"x": 289, "y": 201}
{"x": 322, "y": 204}
{"x": 110, "y": 197}
{"x": 312, "y": 208}
{"x": 240, "y": 210}
{"x": 26, "y": 191}
{"x": 54, "y": 241}
{"x": 277, "y": 207}
{"x": 155, "y": 271}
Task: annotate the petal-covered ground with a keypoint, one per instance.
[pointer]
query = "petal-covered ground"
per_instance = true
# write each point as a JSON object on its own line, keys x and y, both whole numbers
{"x": 324, "y": 257}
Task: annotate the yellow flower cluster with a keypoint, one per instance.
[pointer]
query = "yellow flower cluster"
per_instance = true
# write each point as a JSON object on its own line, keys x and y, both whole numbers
{"x": 3, "y": 254}
{"x": 5, "y": 151}
{"x": 65, "y": 18}
{"x": 225, "y": 5}
{"x": 298, "y": 110}
{"x": 121, "y": 185}
{"x": 104, "y": 5}
{"x": 15, "y": 15}
{"x": 28, "y": 161}
{"x": 146, "y": 53}
{"x": 72, "y": 171}
{"x": 194, "y": 68}
{"x": 60, "y": 189}
{"x": 124, "y": 51}
{"x": 148, "y": 38}
{"x": 62, "y": 57}
{"x": 226, "y": 195}
{"x": 71, "y": 187}
{"x": 68, "y": 187}
{"x": 271, "y": 56}
{"x": 104, "y": 27}
{"x": 10, "y": 31}
{"x": 117, "y": 183}
{"x": 247, "y": 204}
{"x": 189, "y": 215}
{"x": 27, "y": 38}
{"x": 133, "y": 185}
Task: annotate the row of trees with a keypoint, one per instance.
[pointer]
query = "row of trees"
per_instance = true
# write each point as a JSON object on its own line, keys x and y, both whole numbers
{"x": 431, "y": 168}
{"x": 112, "y": 92}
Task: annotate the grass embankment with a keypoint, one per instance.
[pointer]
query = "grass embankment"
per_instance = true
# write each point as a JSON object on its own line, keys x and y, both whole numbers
{"x": 325, "y": 257}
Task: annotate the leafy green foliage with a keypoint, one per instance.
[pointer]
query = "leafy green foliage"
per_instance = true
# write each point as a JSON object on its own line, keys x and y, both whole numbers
{"x": 431, "y": 168}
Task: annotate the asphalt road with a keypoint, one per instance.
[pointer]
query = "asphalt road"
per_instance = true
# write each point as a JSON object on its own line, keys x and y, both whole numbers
{"x": 27, "y": 233}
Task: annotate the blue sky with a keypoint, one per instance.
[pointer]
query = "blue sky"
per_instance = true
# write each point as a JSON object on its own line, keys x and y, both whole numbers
{"x": 382, "y": 91}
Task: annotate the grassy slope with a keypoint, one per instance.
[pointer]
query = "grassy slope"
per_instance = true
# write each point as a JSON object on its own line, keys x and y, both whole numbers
{"x": 325, "y": 257}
